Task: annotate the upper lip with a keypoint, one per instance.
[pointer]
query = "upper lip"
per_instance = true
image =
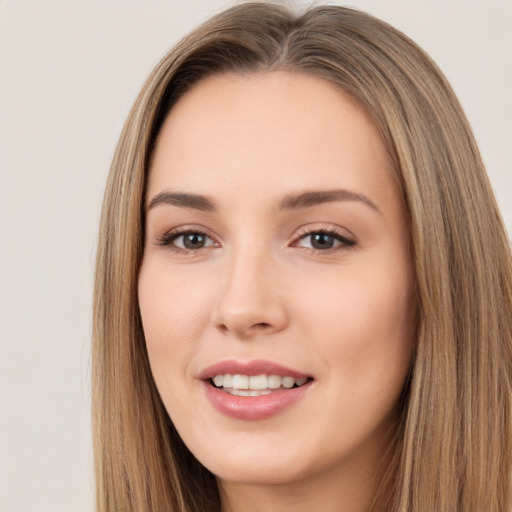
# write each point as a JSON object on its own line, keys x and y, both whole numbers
{"x": 250, "y": 368}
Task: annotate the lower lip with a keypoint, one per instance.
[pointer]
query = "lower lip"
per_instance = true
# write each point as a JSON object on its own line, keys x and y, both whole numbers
{"x": 253, "y": 407}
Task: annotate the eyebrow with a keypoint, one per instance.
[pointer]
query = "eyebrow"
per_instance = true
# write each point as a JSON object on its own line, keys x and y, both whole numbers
{"x": 295, "y": 201}
{"x": 313, "y": 198}
{"x": 183, "y": 200}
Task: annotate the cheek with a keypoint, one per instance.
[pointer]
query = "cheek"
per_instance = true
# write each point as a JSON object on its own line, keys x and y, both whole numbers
{"x": 362, "y": 320}
{"x": 363, "y": 330}
{"x": 173, "y": 316}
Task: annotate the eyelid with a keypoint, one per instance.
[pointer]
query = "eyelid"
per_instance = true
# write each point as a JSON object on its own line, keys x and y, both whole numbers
{"x": 347, "y": 241}
{"x": 166, "y": 239}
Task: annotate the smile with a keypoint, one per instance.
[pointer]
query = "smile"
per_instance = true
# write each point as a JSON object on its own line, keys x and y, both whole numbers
{"x": 255, "y": 385}
{"x": 253, "y": 390}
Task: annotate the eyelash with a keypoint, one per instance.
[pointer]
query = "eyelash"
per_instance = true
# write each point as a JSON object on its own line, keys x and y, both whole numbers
{"x": 345, "y": 242}
{"x": 167, "y": 239}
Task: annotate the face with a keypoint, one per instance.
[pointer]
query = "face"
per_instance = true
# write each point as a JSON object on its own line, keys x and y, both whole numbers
{"x": 275, "y": 288}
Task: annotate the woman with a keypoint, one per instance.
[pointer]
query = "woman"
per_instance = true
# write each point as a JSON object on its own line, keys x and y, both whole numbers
{"x": 303, "y": 296}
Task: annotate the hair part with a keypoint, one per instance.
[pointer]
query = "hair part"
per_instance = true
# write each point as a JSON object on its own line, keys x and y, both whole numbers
{"x": 453, "y": 445}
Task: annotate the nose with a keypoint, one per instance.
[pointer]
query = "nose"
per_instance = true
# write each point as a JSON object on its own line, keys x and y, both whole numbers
{"x": 250, "y": 301}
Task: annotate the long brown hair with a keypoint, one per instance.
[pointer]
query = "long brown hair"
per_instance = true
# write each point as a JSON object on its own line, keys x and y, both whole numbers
{"x": 453, "y": 448}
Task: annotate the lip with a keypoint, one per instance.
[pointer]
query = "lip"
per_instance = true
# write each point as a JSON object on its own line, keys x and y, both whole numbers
{"x": 251, "y": 368}
{"x": 258, "y": 407}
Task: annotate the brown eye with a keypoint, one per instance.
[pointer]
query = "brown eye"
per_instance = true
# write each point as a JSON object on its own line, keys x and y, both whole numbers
{"x": 324, "y": 241}
{"x": 194, "y": 240}
{"x": 187, "y": 240}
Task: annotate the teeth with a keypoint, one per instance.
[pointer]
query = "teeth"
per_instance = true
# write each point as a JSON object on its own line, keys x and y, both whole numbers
{"x": 240, "y": 382}
{"x": 248, "y": 392}
{"x": 258, "y": 382}
{"x": 256, "y": 385}
{"x": 288, "y": 382}
{"x": 274, "y": 381}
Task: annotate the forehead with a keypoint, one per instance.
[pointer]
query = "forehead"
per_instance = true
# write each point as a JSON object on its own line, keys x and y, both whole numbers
{"x": 267, "y": 132}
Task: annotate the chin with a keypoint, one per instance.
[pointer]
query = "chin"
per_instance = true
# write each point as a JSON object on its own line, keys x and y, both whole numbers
{"x": 250, "y": 472}
{"x": 256, "y": 463}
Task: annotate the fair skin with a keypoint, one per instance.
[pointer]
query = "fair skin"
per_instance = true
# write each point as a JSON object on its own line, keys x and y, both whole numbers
{"x": 258, "y": 269}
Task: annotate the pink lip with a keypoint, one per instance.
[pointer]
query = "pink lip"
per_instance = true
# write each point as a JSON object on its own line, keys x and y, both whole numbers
{"x": 252, "y": 408}
{"x": 255, "y": 367}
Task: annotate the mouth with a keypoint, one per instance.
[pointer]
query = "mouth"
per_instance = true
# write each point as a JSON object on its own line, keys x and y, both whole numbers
{"x": 253, "y": 390}
{"x": 256, "y": 385}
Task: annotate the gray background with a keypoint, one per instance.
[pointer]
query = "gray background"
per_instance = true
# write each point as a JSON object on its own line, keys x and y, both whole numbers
{"x": 69, "y": 71}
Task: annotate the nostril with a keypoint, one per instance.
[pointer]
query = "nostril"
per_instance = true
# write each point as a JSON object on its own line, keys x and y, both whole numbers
{"x": 245, "y": 331}
{"x": 261, "y": 325}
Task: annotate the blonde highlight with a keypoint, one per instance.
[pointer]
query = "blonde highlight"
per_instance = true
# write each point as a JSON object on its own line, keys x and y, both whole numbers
{"x": 460, "y": 459}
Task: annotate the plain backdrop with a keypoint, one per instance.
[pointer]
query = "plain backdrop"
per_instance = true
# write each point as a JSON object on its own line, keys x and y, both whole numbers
{"x": 69, "y": 72}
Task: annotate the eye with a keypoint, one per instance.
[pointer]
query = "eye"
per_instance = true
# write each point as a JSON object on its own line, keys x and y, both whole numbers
{"x": 324, "y": 240}
{"x": 186, "y": 240}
